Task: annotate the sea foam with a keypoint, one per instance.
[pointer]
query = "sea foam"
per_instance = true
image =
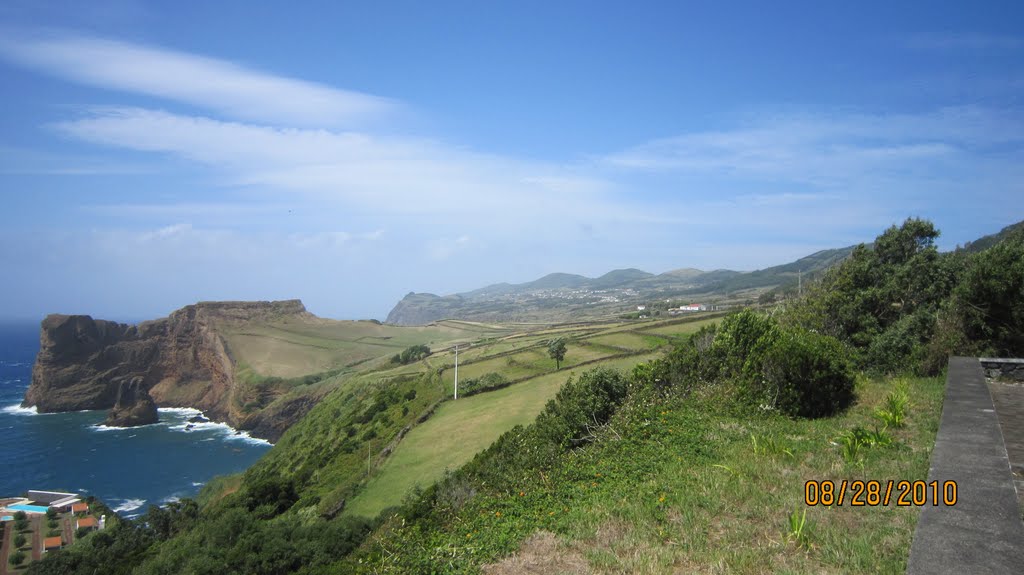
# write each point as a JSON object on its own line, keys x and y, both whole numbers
{"x": 17, "y": 409}
{"x": 129, "y": 505}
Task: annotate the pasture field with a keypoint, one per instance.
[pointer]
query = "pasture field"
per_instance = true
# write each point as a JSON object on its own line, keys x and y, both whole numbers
{"x": 458, "y": 430}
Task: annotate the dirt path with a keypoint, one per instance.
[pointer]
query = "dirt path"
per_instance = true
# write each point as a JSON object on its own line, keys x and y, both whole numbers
{"x": 8, "y": 535}
{"x": 37, "y": 537}
{"x": 67, "y": 522}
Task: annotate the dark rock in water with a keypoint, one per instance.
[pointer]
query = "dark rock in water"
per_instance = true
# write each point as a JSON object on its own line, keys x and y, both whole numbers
{"x": 183, "y": 361}
{"x": 133, "y": 406}
{"x": 198, "y": 419}
{"x": 189, "y": 427}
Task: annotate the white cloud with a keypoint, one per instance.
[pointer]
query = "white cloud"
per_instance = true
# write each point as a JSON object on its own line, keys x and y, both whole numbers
{"x": 391, "y": 174}
{"x": 847, "y": 151}
{"x": 964, "y": 41}
{"x": 176, "y": 230}
{"x": 228, "y": 88}
{"x": 445, "y": 248}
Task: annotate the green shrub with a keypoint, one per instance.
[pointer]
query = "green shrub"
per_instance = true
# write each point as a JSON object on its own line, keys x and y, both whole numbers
{"x": 486, "y": 382}
{"x": 804, "y": 374}
{"x": 894, "y": 411}
{"x": 571, "y": 419}
{"x": 17, "y": 558}
{"x": 901, "y": 345}
{"x": 19, "y": 541}
{"x": 411, "y": 354}
{"x": 990, "y": 297}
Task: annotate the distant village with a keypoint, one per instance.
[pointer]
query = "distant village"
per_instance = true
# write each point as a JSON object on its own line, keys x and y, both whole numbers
{"x": 43, "y": 522}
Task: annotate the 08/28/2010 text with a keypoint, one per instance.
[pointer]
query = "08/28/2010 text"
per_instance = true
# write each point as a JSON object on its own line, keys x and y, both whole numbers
{"x": 872, "y": 493}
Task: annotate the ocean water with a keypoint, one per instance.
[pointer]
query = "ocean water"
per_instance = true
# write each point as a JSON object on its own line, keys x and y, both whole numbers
{"x": 130, "y": 468}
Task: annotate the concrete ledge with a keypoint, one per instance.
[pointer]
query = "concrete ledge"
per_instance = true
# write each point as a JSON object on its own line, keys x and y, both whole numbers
{"x": 983, "y": 532}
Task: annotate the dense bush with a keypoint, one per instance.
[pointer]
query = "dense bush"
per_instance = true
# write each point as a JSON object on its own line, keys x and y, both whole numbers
{"x": 580, "y": 406}
{"x": 803, "y": 374}
{"x": 411, "y": 354}
{"x": 990, "y": 299}
{"x": 754, "y": 361}
{"x": 882, "y": 301}
{"x": 486, "y": 382}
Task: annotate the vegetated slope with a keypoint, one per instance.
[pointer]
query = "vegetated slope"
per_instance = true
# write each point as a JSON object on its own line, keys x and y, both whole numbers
{"x": 563, "y": 297}
{"x": 985, "y": 242}
{"x": 691, "y": 463}
{"x": 357, "y": 436}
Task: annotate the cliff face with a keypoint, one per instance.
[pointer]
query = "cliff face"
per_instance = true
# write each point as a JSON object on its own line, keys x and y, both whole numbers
{"x": 132, "y": 407}
{"x": 180, "y": 360}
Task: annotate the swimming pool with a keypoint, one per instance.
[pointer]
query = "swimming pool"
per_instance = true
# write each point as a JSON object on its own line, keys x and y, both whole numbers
{"x": 7, "y": 518}
{"x": 28, "y": 508}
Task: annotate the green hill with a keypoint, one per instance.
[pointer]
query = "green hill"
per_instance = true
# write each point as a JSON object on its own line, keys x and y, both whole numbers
{"x": 699, "y": 460}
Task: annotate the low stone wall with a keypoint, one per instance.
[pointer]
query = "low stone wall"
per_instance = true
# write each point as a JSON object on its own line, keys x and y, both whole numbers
{"x": 1003, "y": 368}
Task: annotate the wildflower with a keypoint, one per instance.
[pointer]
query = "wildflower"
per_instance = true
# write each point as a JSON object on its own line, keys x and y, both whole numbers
{"x": 497, "y": 513}
{"x": 522, "y": 494}
{"x": 550, "y": 513}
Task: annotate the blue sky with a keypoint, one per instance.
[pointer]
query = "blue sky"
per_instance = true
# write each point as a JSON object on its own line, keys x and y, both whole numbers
{"x": 157, "y": 154}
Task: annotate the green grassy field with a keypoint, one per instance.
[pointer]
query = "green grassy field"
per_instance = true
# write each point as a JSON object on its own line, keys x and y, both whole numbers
{"x": 293, "y": 348}
{"x": 677, "y": 486}
{"x": 672, "y": 329}
{"x": 457, "y": 431}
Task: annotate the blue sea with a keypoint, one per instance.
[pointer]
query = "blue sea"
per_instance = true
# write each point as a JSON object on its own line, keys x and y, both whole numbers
{"x": 129, "y": 469}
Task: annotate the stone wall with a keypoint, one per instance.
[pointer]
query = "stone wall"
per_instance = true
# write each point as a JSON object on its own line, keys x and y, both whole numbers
{"x": 1011, "y": 369}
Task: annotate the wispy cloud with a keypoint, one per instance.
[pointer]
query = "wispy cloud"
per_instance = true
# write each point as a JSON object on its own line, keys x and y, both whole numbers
{"x": 225, "y": 87}
{"x": 832, "y": 150}
{"x": 445, "y": 217}
{"x": 386, "y": 173}
{"x": 964, "y": 41}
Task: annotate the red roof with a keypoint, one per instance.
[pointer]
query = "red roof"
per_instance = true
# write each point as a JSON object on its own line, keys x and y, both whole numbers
{"x": 52, "y": 543}
{"x": 87, "y": 522}
{"x": 79, "y": 507}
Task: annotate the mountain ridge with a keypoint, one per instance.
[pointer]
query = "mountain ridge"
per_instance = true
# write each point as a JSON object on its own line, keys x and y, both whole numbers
{"x": 560, "y": 296}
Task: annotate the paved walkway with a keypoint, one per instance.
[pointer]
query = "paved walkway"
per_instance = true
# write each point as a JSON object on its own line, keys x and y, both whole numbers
{"x": 983, "y": 532}
{"x": 1008, "y": 399}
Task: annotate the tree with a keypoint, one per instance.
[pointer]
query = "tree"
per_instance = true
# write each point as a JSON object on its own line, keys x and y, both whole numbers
{"x": 17, "y": 558}
{"x": 51, "y": 513}
{"x": 556, "y": 349}
{"x": 20, "y": 524}
{"x": 19, "y": 541}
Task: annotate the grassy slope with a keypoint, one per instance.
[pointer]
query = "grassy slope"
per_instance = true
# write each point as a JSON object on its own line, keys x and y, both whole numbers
{"x": 293, "y": 348}
{"x": 682, "y": 488}
{"x": 458, "y": 430}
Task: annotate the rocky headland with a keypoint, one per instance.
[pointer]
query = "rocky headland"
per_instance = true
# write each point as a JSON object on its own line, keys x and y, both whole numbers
{"x": 133, "y": 406}
{"x": 178, "y": 361}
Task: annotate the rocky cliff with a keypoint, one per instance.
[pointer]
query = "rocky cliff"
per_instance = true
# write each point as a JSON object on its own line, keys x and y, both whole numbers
{"x": 180, "y": 361}
{"x": 133, "y": 406}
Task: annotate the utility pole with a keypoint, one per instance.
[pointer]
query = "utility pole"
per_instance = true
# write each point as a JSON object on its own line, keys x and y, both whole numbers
{"x": 456, "y": 371}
